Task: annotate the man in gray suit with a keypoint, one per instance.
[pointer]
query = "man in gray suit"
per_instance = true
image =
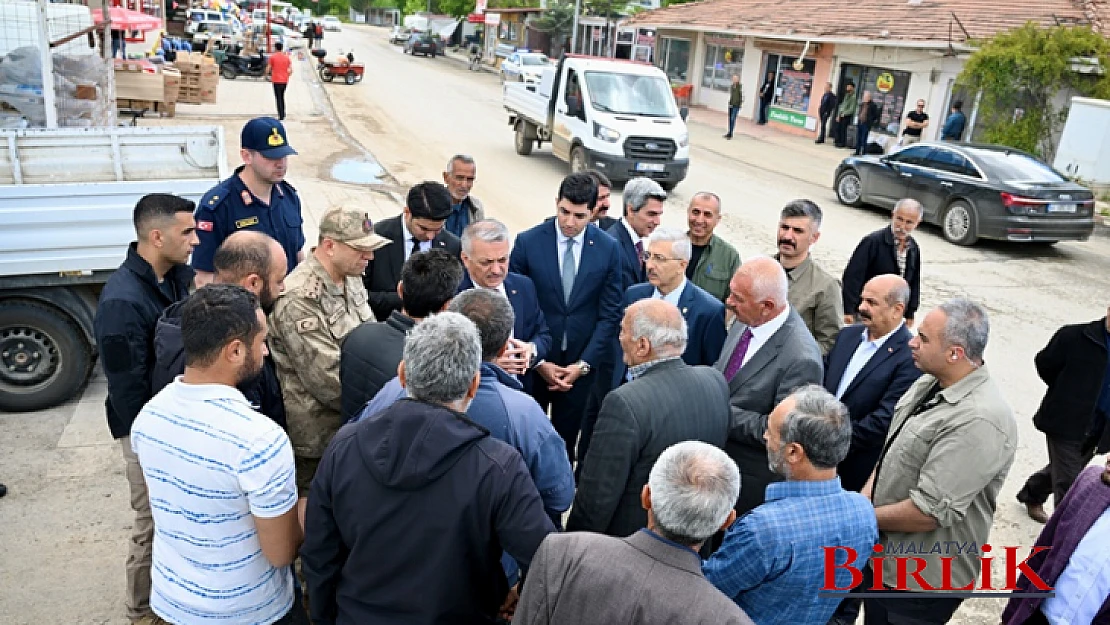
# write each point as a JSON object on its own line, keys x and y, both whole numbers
{"x": 666, "y": 402}
{"x": 769, "y": 352}
{"x": 653, "y": 576}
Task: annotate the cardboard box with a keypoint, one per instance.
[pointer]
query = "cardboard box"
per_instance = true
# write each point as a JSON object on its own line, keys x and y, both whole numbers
{"x": 207, "y": 96}
{"x": 86, "y": 91}
{"x": 188, "y": 62}
{"x": 171, "y": 80}
{"x": 139, "y": 86}
{"x": 209, "y": 69}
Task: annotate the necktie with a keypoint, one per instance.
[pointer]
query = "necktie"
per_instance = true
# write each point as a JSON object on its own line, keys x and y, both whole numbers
{"x": 568, "y": 278}
{"x": 640, "y": 256}
{"x": 415, "y": 246}
{"x": 737, "y": 358}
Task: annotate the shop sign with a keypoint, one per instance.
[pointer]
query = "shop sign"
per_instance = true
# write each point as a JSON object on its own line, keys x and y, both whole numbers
{"x": 885, "y": 82}
{"x": 790, "y": 118}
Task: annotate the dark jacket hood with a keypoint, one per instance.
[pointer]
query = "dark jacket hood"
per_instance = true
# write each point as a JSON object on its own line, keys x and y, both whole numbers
{"x": 413, "y": 443}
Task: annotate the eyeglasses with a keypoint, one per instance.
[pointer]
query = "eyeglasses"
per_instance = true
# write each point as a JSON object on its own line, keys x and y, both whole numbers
{"x": 658, "y": 258}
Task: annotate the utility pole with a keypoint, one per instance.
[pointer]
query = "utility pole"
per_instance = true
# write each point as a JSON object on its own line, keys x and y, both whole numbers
{"x": 574, "y": 27}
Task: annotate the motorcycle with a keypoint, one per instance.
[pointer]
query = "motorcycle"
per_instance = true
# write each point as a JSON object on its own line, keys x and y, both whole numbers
{"x": 236, "y": 65}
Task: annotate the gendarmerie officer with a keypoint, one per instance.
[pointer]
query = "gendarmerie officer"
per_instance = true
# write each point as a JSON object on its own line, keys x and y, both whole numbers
{"x": 255, "y": 197}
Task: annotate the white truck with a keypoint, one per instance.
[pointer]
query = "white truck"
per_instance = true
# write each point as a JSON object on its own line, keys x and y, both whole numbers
{"x": 618, "y": 117}
{"x": 66, "y": 203}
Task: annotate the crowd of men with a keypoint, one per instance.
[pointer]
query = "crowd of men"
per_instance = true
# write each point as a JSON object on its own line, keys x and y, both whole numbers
{"x": 392, "y": 425}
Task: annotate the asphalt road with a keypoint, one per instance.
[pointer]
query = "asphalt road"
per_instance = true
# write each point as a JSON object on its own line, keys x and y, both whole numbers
{"x": 65, "y": 523}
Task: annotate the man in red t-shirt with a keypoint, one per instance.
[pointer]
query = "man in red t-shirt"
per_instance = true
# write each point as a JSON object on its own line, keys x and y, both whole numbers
{"x": 279, "y": 68}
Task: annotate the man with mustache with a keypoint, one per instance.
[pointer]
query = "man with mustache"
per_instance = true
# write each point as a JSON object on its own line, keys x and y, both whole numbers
{"x": 813, "y": 292}
{"x": 713, "y": 261}
{"x": 890, "y": 250}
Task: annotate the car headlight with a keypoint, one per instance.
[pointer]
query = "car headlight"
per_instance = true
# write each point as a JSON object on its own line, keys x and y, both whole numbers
{"x": 684, "y": 140}
{"x": 606, "y": 134}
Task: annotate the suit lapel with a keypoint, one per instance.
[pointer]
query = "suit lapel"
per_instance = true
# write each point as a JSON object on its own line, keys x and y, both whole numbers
{"x": 893, "y": 345}
{"x": 843, "y": 357}
{"x": 767, "y": 353}
{"x": 584, "y": 261}
{"x": 396, "y": 255}
{"x": 548, "y": 248}
{"x": 686, "y": 300}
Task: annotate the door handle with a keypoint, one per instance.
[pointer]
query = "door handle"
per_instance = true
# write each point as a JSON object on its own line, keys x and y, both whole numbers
{"x": 905, "y": 174}
{"x": 944, "y": 183}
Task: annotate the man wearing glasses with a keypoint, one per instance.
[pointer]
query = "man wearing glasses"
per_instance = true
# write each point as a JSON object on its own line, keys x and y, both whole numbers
{"x": 916, "y": 121}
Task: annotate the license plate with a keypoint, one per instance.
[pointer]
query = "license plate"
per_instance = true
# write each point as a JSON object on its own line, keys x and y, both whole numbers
{"x": 651, "y": 167}
{"x": 1061, "y": 208}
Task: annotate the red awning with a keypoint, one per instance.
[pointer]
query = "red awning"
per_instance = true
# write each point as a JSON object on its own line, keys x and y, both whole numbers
{"x": 126, "y": 19}
{"x": 476, "y": 18}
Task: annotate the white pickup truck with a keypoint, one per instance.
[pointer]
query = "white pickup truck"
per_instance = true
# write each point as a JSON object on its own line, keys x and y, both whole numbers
{"x": 66, "y": 203}
{"x": 618, "y": 117}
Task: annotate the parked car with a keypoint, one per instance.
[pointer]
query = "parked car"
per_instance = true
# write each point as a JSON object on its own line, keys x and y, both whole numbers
{"x": 973, "y": 191}
{"x": 524, "y": 66}
{"x": 206, "y": 31}
{"x": 422, "y": 43}
{"x": 331, "y": 22}
{"x": 399, "y": 34}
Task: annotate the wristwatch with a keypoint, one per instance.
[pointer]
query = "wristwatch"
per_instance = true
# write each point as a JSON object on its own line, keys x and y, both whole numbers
{"x": 584, "y": 366}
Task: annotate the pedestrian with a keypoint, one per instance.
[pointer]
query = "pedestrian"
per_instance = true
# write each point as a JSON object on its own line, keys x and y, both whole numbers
{"x": 372, "y": 351}
{"x": 257, "y": 263}
{"x": 652, "y": 577}
{"x": 119, "y": 44}
{"x": 844, "y": 113}
{"x": 637, "y": 423}
{"x": 600, "y": 216}
{"x": 825, "y": 111}
{"x": 419, "y": 228}
{"x": 412, "y": 506}
{"x": 867, "y": 117}
{"x": 713, "y": 261}
{"x": 955, "y": 124}
{"x": 323, "y": 301}
{"x": 1073, "y": 561}
{"x": 152, "y": 277}
{"x": 279, "y": 67}
{"x": 917, "y": 120}
{"x": 320, "y": 33}
{"x": 767, "y": 354}
{"x": 310, "y": 35}
{"x": 735, "y": 101}
{"x": 580, "y": 297}
{"x": 776, "y": 550}
{"x": 766, "y": 94}
{"x": 221, "y": 475}
{"x": 889, "y": 250}
{"x": 459, "y": 177}
{"x": 814, "y": 293}
{"x": 1074, "y": 410}
{"x": 255, "y": 197}
{"x": 936, "y": 483}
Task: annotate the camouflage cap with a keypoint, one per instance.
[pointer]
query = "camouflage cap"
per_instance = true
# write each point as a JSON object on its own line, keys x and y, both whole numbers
{"x": 353, "y": 228}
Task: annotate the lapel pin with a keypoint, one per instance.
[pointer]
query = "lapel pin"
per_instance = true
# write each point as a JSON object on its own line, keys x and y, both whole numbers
{"x": 684, "y": 310}
{"x": 514, "y": 291}
{"x": 591, "y": 241}
{"x": 890, "y": 350}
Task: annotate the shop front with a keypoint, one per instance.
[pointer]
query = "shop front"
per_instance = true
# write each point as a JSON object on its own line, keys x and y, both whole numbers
{"x": 723, "y": 57}
{"x": 799, "y": 72}
{"x": 889, "y": 89}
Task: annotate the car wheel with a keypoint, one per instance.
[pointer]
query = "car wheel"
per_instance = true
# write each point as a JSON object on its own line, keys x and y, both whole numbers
{"x": 849, "y": 188}
{"x": 44, "y": 359}
{"x": 326, "y": 74}
{"x": 578, "y": 160}
{"x": 521, "y": 141}
{"x": 350, "y": 77}
{"x": 960, "y": 223}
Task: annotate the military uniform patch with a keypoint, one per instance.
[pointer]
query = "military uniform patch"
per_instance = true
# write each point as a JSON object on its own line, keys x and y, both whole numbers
{"x": 249, "y": 221}
{"x": 309, "y": 324}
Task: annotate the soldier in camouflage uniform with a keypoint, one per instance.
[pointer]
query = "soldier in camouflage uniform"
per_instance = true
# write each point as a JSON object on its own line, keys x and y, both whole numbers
{"x": 324, "y": 300}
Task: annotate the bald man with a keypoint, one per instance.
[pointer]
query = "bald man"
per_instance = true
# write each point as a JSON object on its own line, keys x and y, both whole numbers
{"x": 769, "y": 352}
{"x": 637, "y": 421}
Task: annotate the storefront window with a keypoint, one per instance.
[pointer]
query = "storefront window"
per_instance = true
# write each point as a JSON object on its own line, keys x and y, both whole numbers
{"x": 674, "y": 58}
{"x": 723, "y": 57}
{"x": 888, "y": 90}
{"x": 793, "y": 87}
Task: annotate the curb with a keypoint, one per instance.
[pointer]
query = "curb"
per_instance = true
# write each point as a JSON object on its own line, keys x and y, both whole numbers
{"x": 460, "y": 58}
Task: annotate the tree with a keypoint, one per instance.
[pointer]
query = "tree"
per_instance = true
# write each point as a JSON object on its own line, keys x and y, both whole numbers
{"x": 1022, "y": 74}
{"x": 456, "y": 8}
{"x": 557, "y": 21}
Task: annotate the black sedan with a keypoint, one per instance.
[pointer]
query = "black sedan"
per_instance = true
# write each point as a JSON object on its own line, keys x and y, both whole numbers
{"x": 973, "y": 191}
{"x": 422, "y": 43}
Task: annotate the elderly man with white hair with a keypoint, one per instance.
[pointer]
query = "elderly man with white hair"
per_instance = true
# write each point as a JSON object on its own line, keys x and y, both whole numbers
{"x": 768, "y": 353}
{"x": 666, "y": 402}
{"x": 652, "y": 577}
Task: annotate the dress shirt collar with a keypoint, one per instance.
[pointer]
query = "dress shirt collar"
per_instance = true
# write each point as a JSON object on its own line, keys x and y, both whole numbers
{"x": 767, "y": 330}
{"x": 638, "y": 370}
{"x": 631, "y": 233}
{"x": 803, "y": 488}
{"x": 673, "y": 296}
{"x": 879, "y": 342}
{"x": 406, "y": 240}
{"x": 561, "y": 238}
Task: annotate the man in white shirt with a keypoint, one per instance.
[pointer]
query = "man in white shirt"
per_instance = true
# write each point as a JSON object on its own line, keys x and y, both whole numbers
{"x": 220, "y": 475}
{"x": 768, "y": 353}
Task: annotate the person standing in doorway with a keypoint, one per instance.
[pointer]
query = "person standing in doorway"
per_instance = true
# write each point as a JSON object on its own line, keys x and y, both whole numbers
{"x": 954, "y": 126}
{"x": 279, "y": 68}
{"x": 766, "y": 93}
{"x": 825, "y": 111}
{"x": 868, "y": 115}
{"x": 916, "y": 121}
{"x": 844, "y": 114}
{"x": 735, "y": 99}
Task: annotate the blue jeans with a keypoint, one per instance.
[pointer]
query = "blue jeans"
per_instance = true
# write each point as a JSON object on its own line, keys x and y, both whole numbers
{"x": 733, "y": 111}
{"x": 862, "y": 130}
{"x": 119, "y": 46}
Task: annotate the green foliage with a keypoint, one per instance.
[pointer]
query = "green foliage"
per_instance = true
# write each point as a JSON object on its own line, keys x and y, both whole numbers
{"x": 558, "y": 20}
{"x": 1028, "y": 68}
{"x": 667, "y": 3}
{"x": 456, "y": 8}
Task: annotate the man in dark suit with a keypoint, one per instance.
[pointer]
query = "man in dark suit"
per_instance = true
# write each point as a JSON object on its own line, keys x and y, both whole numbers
{"x": 418, "y": 228}
{"x": 1074, "y": 410}
{"x": 869, "y": 368}
{"x": 666, "y": 402}
{"x": 652, "y": 577}
{"x": 485, "y": 254}
{"x": 643, "y": 209}
{"x": 601, "y": 217}
{"x": 576, "y": 270}
{"x": 768, "y": 353}
{"x": 825, "y": 111}
{"x": 890, "y": 250}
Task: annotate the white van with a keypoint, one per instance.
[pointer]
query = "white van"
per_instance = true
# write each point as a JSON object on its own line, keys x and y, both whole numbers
{"x": 196, "y": 16}
{"x": 19, "y": 26}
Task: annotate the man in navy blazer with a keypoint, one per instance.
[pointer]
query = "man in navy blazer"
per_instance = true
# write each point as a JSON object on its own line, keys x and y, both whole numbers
{"x": 869, "y": 368}
{"x": 576, "y": 270}
{"x": 485, "y": 254}
{"x": 643, "y": 209}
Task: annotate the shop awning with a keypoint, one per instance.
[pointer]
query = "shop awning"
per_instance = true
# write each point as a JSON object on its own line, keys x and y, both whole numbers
{"x": 476, "y": 18}
{"x": 126, "y": 19}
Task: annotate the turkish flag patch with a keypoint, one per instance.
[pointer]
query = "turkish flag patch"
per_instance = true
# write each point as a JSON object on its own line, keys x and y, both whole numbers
{"x": 205, "y": 226}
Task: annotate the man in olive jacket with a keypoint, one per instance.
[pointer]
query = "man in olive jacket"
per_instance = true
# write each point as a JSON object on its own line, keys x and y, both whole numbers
{"x": 1074, "y": 410}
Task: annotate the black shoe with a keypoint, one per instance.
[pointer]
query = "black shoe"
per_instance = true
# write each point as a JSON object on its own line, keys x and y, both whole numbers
{"x": 819, "y": 141}
{"x": 3, "y": 490}
{"x": 728, "y": 136}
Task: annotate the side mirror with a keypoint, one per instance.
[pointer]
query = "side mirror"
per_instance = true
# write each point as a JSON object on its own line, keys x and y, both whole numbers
{"x": 684, "y": 112}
